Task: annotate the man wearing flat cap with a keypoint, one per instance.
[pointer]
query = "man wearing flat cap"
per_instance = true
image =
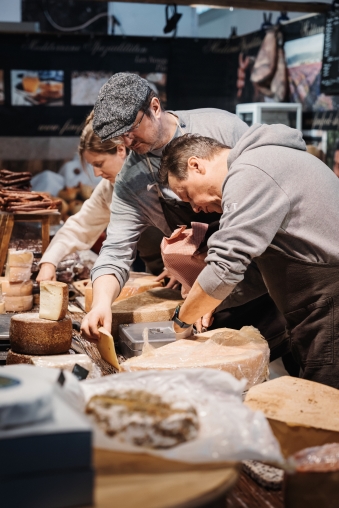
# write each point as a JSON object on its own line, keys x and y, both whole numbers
{"x": 128, "y": 107}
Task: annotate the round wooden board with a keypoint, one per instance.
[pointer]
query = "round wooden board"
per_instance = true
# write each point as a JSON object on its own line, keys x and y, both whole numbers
{"x": 140, "y": 480}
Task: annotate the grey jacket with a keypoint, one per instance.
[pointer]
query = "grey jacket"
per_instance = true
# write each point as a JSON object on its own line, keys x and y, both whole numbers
{"x": 275, "y": 194}
{"x": 135, "y": 204}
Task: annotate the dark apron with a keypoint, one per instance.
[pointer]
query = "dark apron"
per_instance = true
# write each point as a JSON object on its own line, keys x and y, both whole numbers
{"x": 307, "y": 294}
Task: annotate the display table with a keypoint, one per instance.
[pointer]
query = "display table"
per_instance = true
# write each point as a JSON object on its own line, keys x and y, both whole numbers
{"x": 137, "y": 480}
{"x": 7, "y": 221}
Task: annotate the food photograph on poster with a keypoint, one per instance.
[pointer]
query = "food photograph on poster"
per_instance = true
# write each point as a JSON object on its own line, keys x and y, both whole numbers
{"x": 169, "y": 290}
{"x": 37, "y": 88}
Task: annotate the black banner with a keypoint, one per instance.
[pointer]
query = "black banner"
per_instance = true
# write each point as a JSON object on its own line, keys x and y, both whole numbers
{"x": 330, "y": 69}
{"x": 50, "y": 82}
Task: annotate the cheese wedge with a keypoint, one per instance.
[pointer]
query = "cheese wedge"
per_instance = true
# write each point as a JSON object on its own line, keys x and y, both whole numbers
{"x": 106, "y": 348}
{"x": 19, "y": 257}
{"x": 2, "y": 307}
{"x": 53, "y": 300}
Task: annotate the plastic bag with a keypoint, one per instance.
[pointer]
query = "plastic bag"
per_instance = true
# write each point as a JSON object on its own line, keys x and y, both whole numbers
{"x": 228, "y": 430}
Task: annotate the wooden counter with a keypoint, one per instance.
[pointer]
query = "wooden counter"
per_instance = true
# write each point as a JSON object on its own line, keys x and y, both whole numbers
{"x": 143, "y": 481}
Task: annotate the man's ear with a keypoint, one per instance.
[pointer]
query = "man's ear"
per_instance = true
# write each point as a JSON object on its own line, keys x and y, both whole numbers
{"x": 155, "y": 107}
{"x": 196, "y": 164}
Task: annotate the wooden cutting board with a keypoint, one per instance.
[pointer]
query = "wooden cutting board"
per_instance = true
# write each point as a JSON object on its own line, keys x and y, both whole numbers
{"x": 140, "y": 480}
{"x": 155, "y": 305}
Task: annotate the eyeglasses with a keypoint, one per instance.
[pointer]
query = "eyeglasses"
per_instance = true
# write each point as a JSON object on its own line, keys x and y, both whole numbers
{"x": 135, "y": 127}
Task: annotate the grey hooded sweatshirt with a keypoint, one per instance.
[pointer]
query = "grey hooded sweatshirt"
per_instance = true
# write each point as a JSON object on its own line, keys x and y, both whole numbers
{"x": 135, "y": 203}
{"x": 275, "y": 194}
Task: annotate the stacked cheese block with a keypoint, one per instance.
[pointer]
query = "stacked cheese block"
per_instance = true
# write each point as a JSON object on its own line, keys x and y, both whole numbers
{"x": 17, "y": 287}
{"x": 48, "y": 332}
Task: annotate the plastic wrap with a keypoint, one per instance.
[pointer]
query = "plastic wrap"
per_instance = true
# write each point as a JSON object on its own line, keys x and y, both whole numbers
{"x": 228, "y": 430}
{"x": 243, "y": 353}
{"x": 67, "y": 362}
{"x": 317, "y": 459}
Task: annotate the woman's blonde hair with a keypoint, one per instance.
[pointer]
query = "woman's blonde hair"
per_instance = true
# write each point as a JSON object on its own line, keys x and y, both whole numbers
{"x": 91, "y": 141}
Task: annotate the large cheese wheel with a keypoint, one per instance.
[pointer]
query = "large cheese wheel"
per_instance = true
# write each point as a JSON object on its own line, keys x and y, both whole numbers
{"x": 243, "y": 353}
{"x": 53, "y": 300}
{"x": 156, "y": 305}
{"x": 301, "y": 413}
{"x": 24, "y": 288}
{"x": 18, "y": 303}
{"x": 32, "y": 335}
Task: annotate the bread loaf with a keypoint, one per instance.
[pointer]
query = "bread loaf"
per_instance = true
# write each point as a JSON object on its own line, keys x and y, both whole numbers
{"x": 155, "y": 305}
{"x": 301, "y": 413}
{"x": 243, "y": 353}
{"x": 18, "y": 303}
{"x": 24, "y": 288}
{"x": 32, "y": 335}
{"x": 53, "y": 300}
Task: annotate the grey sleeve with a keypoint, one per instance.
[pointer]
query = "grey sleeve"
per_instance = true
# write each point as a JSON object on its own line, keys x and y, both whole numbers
{"x": 127, "y": 222}
{"x": 251, "y": 287}
{"x": 254, "y": 209}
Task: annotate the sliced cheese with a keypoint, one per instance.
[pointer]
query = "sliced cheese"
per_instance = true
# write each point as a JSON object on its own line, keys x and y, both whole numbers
{"x": 18, "y": 303}
{"x": 53, "y": 300}
{"x": 301, "y": 413}
{"x": 106, "y": 348}
{"x": 18, "y": 273}
{"x": 2, "y": 307}
{"x": 19, "y": 257}
{"x": 31, "y": 335}
{"x": 155, "y": 305}
{"x": 24, "y": 288}
{"x": 243, "y": 353}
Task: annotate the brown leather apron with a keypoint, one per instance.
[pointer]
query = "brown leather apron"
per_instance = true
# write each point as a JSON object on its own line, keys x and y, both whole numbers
{"x": 307, "y": 294}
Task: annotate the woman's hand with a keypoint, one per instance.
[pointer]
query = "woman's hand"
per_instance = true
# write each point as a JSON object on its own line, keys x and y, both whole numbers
{"x": 47, "y": 272}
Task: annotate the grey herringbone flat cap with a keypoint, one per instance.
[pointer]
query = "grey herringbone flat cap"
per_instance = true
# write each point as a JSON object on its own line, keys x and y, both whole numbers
{"x": 118, "y": 104}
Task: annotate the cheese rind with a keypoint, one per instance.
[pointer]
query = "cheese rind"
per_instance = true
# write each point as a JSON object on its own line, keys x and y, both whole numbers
{"x": 301, "y": 413}
{"x": 53, "y": 300}
{"x": 18, "y": 303}
{"x": 32, "y": 335}
{"x": 24, "y": 288}
{"x": 106, "y": 348}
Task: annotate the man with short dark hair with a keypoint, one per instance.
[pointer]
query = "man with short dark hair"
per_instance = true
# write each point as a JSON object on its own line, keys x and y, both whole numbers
{"x": 127, "y": 107}
{"x": 280, "y": 209}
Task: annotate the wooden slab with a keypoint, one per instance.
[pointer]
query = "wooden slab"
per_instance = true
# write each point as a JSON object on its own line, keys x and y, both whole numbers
{"x": 301, "y": 413}
{"x": 140, "y": 480}
{"x": 155, "y": 305}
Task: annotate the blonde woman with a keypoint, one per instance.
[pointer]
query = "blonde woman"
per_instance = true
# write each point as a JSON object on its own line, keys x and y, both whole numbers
{"x": 82, "y": 230}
